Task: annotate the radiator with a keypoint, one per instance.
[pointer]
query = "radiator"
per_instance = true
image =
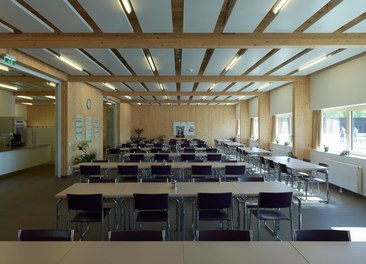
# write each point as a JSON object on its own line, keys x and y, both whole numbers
{"x": 345, "y": 175}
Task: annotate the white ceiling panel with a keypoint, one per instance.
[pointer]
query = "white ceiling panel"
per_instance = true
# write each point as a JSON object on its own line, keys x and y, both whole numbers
{"x": 84, "y": 61}
{"x": 307, "y": 58}
{"x": 120, "y": 86}
{"x": 341, "y": 56}
{"x": 136, "y": 86}
{"x": 109, "y": 60}
{"x": 276, "y": 59}
{"x": 247, "y": 60}
{"x": 290, "y": 12}
{"x": 203, "y": 86}
{"x": 220, "y": 86}
{"x": 338, "y": 16}
{"x": 61, "y": 14}
{"x": 137, "y": 60}
{"x": 237, "y": 86}
{"x": 51, "y": 59}
{"x": 117, "y": 21}
{"x": 201, "y": 16}
{"x": 154, "y": 16}
{"x": 222, "y": 97}
{"x": 164, "y": 61}
{"x": 219, "y": 60}
{"x": 21, "y": 18}
{"x": 153, "y": 86}
{"x": 255, "y": 86}
{"x": 186, "y": 86}
{"x": 170, "y": 86}
{"x": 192, "y": 60}
{"x": 247, "y": 14}
{"x": 149, "y": 98}
{"x": 358, "y": 28}
{"x": 5, "y": 29}
{"x": 184, "y": 97}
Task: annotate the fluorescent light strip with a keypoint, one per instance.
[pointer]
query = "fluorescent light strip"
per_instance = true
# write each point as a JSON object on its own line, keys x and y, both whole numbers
{"x": 4, "y": 68}
{"x": 307, "y": 65}
{"x": 212, "y": 86}
{"x": 151, "y": 63}
{"x": 50, "y": 97}
{"x": 128, "y": 97}
{"x": 8, "y": 86}
{"x": 25, "y": 97}
{"x": 279, "y": 4}
{"x": 203, "y": 97}
{"x": 241, "y": 97}
{"x": 161, "y": 86}
{"x": 109, "y": 86}
{"x": 232, "y": 63}
{"x": 264, "y": 86}
{"x": 166, "y": 97}
{"x": 127, "y": 6}
{"x": 27, "y": 103}
{"x": 139, "y": 103}
{"x": 72, "y": 64}
{"x": 51, "y": 84}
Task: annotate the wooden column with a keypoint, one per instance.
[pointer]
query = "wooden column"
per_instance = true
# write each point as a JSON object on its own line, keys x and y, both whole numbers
{"x": 244, "y": 122}
{"x": 264, "y": 120}
{"x": 302, "y": 118}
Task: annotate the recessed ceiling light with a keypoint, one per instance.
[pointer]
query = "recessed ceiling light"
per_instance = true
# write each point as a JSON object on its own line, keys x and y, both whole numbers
{"x": 27, "y": 103}
{"x": 25, "y": 97}
{"x": 8, "y": 86}
{"x": 69, "y": 62}
{"x": 50, "y": 97}
{"x": 4, "y": 68}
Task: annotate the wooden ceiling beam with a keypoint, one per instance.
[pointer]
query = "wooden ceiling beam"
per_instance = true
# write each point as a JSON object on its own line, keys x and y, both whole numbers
{"x": 181, "y": 40}
{"x": 27, "y": 79}
{"x": 182, "y": 101}
{"x": 221, "y": 78}
{"x": 138, "y": 93}
{"x": 34, "y": 93}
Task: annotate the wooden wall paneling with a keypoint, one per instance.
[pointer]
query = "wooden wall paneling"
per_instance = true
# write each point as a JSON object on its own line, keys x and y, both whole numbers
{"x": 41, "y": 116}
{"x": 105, "y": 119}
{"x": 210, "y": 121}
{"x": 264, "y": 120}
{"x": 125, "y": 122}
{"x": 244, "y": 122}
{"x": 302, "y": 118}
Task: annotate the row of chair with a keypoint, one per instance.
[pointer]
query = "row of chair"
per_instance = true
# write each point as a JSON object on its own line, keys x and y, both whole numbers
{"x": 201, "y": 235}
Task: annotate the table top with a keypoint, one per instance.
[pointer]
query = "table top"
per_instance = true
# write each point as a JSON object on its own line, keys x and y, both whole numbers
{"x": 255, "y": 150}
{"x": 185, "y": 189}
{"x": 171, "y": 154}
{"x": 332, "y": 252}
{"x": 296, "y": 164}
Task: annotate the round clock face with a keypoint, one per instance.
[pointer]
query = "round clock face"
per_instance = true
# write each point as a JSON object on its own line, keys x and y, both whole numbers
{"x": 88, "y": 103}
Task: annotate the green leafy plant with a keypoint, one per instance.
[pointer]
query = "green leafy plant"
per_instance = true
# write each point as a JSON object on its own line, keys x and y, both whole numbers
{"x": 276, "y": 141}
{"x": 161, "y": 138}
{"x": 139, "y": 131}
{"x": 326, "y": 148}
{"x": 83, "y": 146}
{"x": 287, "y": 143}
{"x": 345, "y": 153}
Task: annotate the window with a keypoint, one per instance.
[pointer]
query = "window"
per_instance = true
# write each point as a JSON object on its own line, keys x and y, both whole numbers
{"x": 283, "y": 129}
{"x": 345, "y": 129}
{"x": 254, "y": 128}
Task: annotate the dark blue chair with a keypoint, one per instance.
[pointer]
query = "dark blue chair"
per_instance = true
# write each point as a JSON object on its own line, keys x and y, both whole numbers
{"x": 137, "y": 235}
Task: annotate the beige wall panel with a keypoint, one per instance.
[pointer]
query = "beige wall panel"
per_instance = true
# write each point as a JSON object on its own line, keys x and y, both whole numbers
{"x": 105, "y": 120}
{"x": 264, "y": 120}
{"x": 210, "y": 121}
{"x": 124, "y": 123}
{"x": 41, "y": 116}
{"x": 302, "y": 118}
{"x": 244, "y": 122}
{"x": 78, "y": 95}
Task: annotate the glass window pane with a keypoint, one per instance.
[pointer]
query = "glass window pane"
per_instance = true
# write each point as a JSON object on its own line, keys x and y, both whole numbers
{"x": 334, "y": 132}
{"x": 284, "y": 128}
{"x": 358, "y": 126}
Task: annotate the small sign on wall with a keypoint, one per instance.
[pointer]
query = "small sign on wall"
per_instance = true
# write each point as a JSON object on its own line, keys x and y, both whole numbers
{"x": 183, "y": 129}
{"x": 79, "y": 128}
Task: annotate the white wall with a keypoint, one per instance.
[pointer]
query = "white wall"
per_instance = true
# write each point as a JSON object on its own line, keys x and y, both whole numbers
{"x": 253, "y": 107}
{"x": 339, "y": 86}
{"x": 21, "y": 111}
{"x": 281, "y": 100}
{"x": 7, "y": 104}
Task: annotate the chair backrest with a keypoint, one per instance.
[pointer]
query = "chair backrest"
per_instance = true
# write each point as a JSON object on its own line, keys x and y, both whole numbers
{"x": 85, "y": 202}
{"x": 214, "y": 157}
{"x": 128, "y": 170}
{"x": 251, "y": 179}
{"x": 204, "y": 170}
{"x": 115, "y": 151}
{"x": 135, "y": 150}
{"x": 238, "y": 170}
{"x": 187, "y": 157}
{"x": 158, "y": 145}
{"x": 306, "y": 160}
{"x": 137, "y": 235}
{"x": 189, "y": 150}
{"x": 211, "y": 150}
{"x": 322, "y": 235}
{"x": 324, "y": 165}
{"x": 161, "y": 156}
{"x": 201, "y": 145}
{"x": 224, "y": 235}
{"x": 212, "y": 201}
{"x": 90, "y": 170}
{"x": 271, "y": 163}
{"x": 185, "y": 145}
{"x": 262, "y": 160}
{"x": 100, "y": 161}
{"x": 161, "y": 170}
{"x": 45, "y": 235}
{"x": 157, "y": 201}
{"x": 159, "y": 179}
{"x": 137, "y": 157}
{"x": 200, "y": 179}
{"x": 283, "y": 168}
{"x": 275, "y": 199}
{"x": 156, "y": 150}
{"x": 94, "y": 180}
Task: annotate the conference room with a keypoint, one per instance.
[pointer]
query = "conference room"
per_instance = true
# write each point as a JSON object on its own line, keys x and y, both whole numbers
{"x": 282, "y": 81}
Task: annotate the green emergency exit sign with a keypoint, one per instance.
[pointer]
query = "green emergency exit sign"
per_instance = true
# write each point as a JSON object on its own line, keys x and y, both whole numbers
{"x": 10, "y": 60}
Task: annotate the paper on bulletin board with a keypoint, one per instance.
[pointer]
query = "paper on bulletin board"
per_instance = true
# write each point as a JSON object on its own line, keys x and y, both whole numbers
{"x": 96, "y": 127}
{"x": 88, "y": 129}
{"x": 79, "y": 128}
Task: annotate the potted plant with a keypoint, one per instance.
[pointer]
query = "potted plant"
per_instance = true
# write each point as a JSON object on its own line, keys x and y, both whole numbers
{"x": 161, "y": 138}
{"x": 326, "y": 148}
{"x": 345, "y": 153}
{"x": 276, "y": 141}
{"x": 138, "y": 132}
{"x": 85, "y": 156}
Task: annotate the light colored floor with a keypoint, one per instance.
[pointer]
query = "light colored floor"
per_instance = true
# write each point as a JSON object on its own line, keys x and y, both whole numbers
{"x": 27, "y": 201}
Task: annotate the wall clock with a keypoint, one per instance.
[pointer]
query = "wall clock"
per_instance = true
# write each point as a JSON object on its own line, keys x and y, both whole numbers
{"x": 88, "y": 103}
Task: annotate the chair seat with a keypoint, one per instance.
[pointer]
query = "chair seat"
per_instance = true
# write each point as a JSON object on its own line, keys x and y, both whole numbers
{"x": 213, "y": 215}
{"x": 152, "y": 216}
{"x": 88, "y": 217}
{"x": 270, "y": 215}
{"x": 251, "y": 205}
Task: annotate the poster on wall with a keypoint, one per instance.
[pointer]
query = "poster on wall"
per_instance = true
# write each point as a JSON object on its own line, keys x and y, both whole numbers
{"x": 79, "y": 128}
{"x": 96, "y": 127}
{"x": 88, "y": 129}
{"x": 183, "y": 129}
